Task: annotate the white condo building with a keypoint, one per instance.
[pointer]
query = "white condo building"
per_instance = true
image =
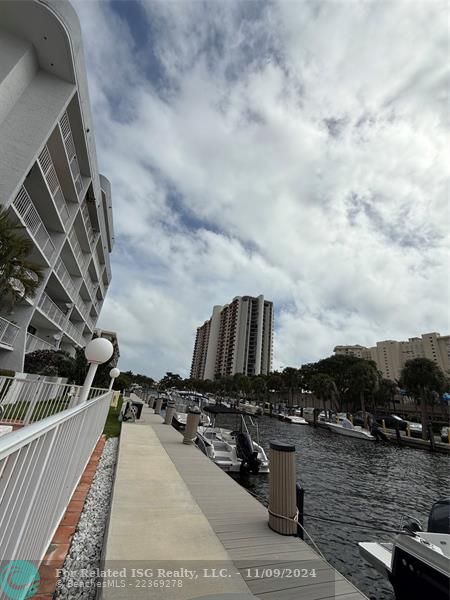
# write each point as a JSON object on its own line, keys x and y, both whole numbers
{"x": 390, "y": 356}
{"x": 238, "y": 338}
{"x": 49, "y": 179}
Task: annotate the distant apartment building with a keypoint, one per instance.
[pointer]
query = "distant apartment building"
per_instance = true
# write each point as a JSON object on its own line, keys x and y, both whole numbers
{"x": 238, "y": 338}
{"x": 49, "y": 179}
{"x": 390, "y": 355}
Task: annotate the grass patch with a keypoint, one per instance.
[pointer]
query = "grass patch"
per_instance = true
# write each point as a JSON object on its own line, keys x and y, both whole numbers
{"x": 113, "y": 425}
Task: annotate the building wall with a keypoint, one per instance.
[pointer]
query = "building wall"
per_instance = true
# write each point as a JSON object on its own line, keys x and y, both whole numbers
{"x": 49, "y": 180}
{"x": 238, "y": 339}
{"x": 390, "y": 355}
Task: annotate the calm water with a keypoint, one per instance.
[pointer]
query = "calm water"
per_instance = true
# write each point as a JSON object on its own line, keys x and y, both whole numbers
{"x": 366, "y": 484}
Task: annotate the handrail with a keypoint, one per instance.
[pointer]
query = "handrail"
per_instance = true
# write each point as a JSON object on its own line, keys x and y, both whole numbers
{"x": 15, "y": 440}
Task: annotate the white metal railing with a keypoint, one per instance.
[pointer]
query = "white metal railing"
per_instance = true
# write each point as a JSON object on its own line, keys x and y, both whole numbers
{"x": 8, "y": 332}
{"x": 51, "y": 310}
{"x": 82, "y": 259}
{"x": 40, "y": 467}
{"x": 36, "y": 343}
{"x": 50, "y": 176}
{"x": 91, "y": 286}
{"x": 87, "y": 223}
{"x": 65, "y": 278}
{"x": 84, "y": 311}
{"x": 25, "y": 401}
{"x": 66, "y": 133}
{"x": 75, "y": 333}
{"x": 29, "y": 216}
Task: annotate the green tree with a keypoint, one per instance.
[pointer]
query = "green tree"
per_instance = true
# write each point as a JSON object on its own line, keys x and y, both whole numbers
{"x": 171, "y": 380}
{"x": 54, "y": 363}
{"x": 291, "y": 379}
{"x": 364, "y": 380}
{"x": 423, "y": 379}
{"x": 324, "y": 387}
{"x": 385, "y": 395}
{"x": 19, "y": 277}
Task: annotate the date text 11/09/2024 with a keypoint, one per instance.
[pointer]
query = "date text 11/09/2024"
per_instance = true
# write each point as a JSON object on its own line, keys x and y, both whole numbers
{"x": 252, "y": 573}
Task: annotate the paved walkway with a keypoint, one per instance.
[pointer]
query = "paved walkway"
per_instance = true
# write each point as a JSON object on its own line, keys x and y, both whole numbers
{"x": 173, "y": 509}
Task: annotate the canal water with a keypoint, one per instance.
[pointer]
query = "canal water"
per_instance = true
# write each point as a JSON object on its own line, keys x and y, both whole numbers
{"x": 352, "y": 488}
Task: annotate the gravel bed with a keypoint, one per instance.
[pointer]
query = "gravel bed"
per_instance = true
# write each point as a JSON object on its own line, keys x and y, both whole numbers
{"x": 76, "y": 581}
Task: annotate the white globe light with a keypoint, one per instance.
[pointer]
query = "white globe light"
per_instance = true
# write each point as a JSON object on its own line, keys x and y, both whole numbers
{"x": 114, "y": 373}
{"x": 99, "y": 351}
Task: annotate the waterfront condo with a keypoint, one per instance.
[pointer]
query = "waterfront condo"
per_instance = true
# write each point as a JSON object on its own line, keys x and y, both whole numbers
{"x": 238, "y": 338}
{"x": 49, "y": 179}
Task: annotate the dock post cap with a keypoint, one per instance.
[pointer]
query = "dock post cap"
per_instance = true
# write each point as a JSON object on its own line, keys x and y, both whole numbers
{"x": 282, "y": 446}
{"x": 194, "y": 410}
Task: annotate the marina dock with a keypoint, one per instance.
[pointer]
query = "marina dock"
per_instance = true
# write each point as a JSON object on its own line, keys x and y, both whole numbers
{"x": 173, "y": 509}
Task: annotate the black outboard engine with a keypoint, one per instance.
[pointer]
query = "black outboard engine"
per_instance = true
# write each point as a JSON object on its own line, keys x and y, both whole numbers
{"x": 247, "y": 453}
{"x": 439, "y": 519}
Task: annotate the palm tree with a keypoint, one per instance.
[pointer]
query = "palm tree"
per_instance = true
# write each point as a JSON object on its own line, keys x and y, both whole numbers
{"x": 324, "y": 387}
{"x": 423, "y": 379}
{"x": 19, "y": 277}
{"x": 291, "y": 379}
{"x": 364, "y": 379}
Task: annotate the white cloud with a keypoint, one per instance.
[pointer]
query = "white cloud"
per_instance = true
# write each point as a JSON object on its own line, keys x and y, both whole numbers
{"x": 299, "y": 151}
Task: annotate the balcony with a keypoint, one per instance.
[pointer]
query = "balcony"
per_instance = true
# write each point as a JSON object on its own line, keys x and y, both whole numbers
{"x": 8, "y": 333}
{"x": 75, "y": 333}
{"x": 82, "y": 260}
{"x": 29, "y": 216}
{"x": 51, "y": 310}
{"x": 66, "y": 133}
{"x": 48, "y": 170}
{"x": 87, "y": 224}
{"x": 35, "y": 343}
{"x": 65, "y": 279}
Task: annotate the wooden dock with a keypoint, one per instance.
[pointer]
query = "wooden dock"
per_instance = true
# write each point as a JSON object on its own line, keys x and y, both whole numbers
{"x": 274, "y": 567}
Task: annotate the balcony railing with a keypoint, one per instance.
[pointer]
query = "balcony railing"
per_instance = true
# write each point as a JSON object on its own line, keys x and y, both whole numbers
{"x": 71, "y": 153}
{"x": 50, "y": 176}
{"x": 74, "y": 333}
{"x": 29, "y": 216}
{"x": 82, "y": 259}
{"x": 87, "y": 223}
{"x": 84, "y": 311}
{"x": 51, "y": 310}
{"x": 65, "y": 278}
{"x": 8, "y": 332}
{"x": 91, "y": 287}
{"x": 35, "y": 343}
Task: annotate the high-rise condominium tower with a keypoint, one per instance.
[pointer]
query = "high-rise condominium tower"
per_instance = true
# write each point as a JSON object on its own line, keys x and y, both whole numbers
{"x": 49, "y": 179}
{"x": 236, "y": 339}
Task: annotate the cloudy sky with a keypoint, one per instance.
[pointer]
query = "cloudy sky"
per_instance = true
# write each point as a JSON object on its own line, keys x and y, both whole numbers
{"x": 293, "y": 149}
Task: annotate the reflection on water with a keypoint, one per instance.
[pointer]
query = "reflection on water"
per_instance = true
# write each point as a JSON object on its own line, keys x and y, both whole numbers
{"x": 367, "y": 484}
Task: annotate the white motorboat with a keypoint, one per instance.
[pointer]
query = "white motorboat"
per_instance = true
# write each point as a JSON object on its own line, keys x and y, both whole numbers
{"x": 182, "y": 404}
{"x": 417, "y": 563}
{"x": 233, "y": 451}
{"x": 345, "y": 427}
{"x": 296, "y": 420}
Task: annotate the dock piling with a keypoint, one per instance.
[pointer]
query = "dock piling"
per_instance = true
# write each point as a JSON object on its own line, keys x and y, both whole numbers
{"x": 170, "y": 412}
{"x": 193, "y": 419}
{"x": 157, "y": 406}
{"x": 282, "y": 489}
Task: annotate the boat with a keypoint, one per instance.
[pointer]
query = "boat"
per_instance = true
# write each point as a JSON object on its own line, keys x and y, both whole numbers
{"x": 416, "y": 563}
{"x": 233, "y": 451}
{"x": 182, "y": 404}
{"x": 345, "y": 427}
{"x": 295, "y": 420}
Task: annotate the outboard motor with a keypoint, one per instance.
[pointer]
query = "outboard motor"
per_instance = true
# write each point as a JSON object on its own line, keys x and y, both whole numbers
{"x": 247, "y": 453}
{"x": 439, "y": 519}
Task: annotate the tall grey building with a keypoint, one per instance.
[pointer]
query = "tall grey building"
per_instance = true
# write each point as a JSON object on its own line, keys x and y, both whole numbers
{"x": 49, "y": 179}
{"x": 238, "y": 338}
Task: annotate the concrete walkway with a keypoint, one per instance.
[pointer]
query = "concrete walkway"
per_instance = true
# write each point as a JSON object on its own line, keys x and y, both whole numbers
{"x": 174, "y": 510}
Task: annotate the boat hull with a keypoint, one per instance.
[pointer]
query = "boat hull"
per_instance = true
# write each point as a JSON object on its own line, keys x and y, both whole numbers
{"x": 353, "y": 433}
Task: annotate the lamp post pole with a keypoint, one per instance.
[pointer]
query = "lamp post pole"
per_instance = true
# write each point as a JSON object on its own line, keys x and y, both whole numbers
{"x": 98, "y": 351}
{"x": 113, "y": 374}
